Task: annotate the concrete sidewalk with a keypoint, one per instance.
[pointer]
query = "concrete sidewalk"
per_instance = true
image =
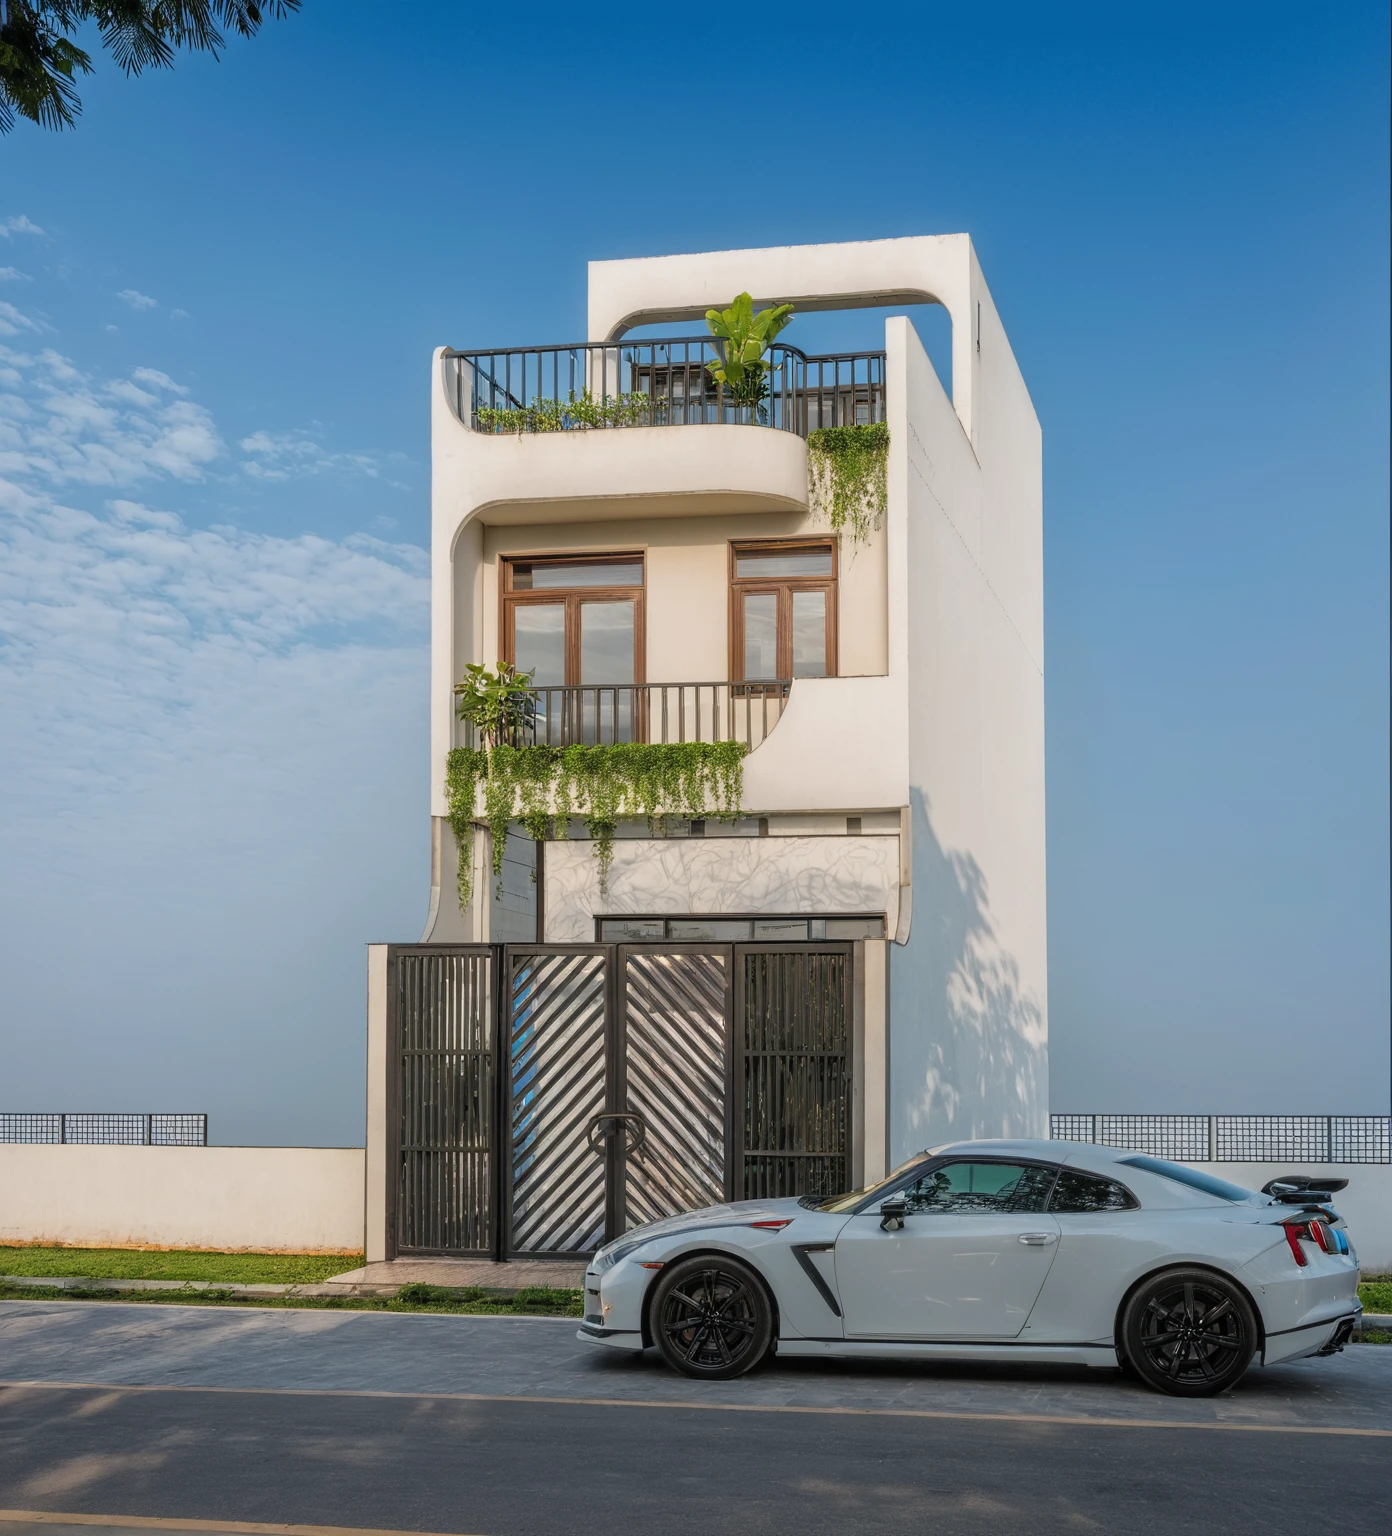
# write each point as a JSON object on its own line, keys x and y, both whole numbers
{"x": 561, "y": 1274}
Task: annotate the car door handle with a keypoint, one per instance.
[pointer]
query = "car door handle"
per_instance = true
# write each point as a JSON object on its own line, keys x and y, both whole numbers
{"x": 1038, "y": 1239}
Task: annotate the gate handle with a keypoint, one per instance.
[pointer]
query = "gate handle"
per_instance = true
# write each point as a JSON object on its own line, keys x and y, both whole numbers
{"x": 602, "y": 1127}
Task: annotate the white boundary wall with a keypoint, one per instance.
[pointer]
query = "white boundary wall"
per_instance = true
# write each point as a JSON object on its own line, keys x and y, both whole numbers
{"x": 298, "y": 1199}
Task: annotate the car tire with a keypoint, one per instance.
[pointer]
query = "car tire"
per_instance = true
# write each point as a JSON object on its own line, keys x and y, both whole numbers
{"x": 711, "y": 1317}
{"x": 1188, "y": 1332}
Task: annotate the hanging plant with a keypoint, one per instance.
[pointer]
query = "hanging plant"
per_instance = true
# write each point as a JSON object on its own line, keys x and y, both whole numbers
{"x": 848, "y": 476}
{"x": 542, "y": 787}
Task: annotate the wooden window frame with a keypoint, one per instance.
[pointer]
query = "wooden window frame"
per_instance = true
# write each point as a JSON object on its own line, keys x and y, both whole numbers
{"x": 571, "y": 598}
{"x": 784, "y": 586}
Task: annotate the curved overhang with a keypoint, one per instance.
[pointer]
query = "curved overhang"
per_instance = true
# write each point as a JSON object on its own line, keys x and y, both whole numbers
{"x": 855, "y": 274}
{"x": 628, "y": 472}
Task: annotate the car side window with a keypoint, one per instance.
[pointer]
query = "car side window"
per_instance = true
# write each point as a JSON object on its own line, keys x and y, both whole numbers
{"x": 1077, "y": 1193}
{"x": 965, "y": 1187}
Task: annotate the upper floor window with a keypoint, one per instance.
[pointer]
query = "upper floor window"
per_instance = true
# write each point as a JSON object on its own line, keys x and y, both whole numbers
{"x": 783, "y": 610}
{"x": 574, "y": 619}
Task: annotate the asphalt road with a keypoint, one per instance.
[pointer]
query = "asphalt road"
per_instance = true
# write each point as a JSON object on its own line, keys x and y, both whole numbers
{"x": 155, "y": 1417}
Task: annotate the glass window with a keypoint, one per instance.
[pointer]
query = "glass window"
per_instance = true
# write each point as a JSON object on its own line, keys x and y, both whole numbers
{"x": 966, "y": 1187}
{"x": 606, "y": 642}
{"x": 760, "y": 635}
{"x": 809, "y": 633}
{"x": 534, "y": 575}
{"x": 539, "y": 636}
{"x": 726, "y": 932}
{"x": 585, "y": 631}
{"x": 855, "y": 928}
{"x": 1076, "y": 1193}
{"x": 623, "y": 930}
{"x": 1190, "y": 1176}
{"x": 781, "y": 928}
{"x": 784, "y": 604}
{"x": 773, "y": 563}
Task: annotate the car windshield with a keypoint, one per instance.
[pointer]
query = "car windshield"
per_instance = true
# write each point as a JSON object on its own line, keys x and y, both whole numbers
{"x": 1192, "y": 1177}
{"x": 849, "y": 1201}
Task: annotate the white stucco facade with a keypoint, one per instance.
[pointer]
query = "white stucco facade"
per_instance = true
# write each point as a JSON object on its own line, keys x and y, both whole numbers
{"x": 908, "y": 786}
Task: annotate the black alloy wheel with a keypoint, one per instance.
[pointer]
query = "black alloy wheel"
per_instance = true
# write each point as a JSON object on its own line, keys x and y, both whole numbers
{"x": 1189, "y": 1332}
{"x": 711, "y": 1317}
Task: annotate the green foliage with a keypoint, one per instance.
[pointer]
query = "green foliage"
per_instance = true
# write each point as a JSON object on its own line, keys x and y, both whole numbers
{"x": 499, "y": 705}
{"x": 572, "y": 414}
{"x": 849, "y": 472}
{"x": 542, "y": 787}
{"x": 39, "y": 59}
{"x": 1376, "y": 1294}
{"x": 744, "y": 369}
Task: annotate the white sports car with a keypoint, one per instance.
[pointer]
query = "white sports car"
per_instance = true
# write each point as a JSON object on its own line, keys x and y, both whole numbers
{"x": 995, "y": 1250}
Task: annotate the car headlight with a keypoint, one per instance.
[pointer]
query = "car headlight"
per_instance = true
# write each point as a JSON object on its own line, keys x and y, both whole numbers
{"x": 611, "y": 1253}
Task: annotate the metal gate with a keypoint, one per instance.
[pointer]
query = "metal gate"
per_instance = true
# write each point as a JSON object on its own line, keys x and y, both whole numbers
{"x": 442, "y": 1086}
{"x": 548, "y": 1097}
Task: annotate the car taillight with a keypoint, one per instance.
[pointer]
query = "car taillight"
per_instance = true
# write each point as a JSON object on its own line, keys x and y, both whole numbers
{"x": 1315, "y": 1231}
{"x": 772, "y": 1226}
{"x": 1294, "y": 1231}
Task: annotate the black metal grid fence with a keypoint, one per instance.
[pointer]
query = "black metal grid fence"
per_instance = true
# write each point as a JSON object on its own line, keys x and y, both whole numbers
{"x": 1236, "y": 1138}
{"x": 124, "y": 1130}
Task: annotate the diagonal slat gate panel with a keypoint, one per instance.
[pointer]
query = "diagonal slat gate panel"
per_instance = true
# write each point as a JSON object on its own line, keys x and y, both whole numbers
{"x": 556, "y": 1017}
{"x": 677, "y": 1064}
{"x": 445, "y": 1088}
{"x": 794, "y": 1026}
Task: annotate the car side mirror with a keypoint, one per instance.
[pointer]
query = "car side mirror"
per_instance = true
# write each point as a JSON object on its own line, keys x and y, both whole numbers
{"x": 893, "y": 1213}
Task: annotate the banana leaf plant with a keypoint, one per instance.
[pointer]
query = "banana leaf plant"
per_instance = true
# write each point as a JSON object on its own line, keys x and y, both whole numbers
{"x": 743, "y": 369}
{"x": 498, "y": 705}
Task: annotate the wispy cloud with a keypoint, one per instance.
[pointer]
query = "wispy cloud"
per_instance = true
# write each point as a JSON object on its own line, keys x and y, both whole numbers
{"x": 13, "y": 321}
{"x": 18, "y": 224}
{"x": 60, "y": 426}
{"x": 14, "y": 275}
{"x": 283, "y": 455}
{"x": 126, "y": 635}
{"x": 136, "y": 299}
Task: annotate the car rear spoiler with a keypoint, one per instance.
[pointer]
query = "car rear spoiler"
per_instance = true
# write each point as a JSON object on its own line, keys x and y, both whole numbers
{"x": 1300, "y": 1189}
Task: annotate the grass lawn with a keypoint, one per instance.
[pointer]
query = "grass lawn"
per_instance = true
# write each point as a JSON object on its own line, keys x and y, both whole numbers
{"x": 178, "y": 1264}
{"x": 531, "y": 1301}
{"x": 1376, "y": 1294}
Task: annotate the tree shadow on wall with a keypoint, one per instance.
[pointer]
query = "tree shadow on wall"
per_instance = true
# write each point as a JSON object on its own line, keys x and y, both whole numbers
{"x": 968, "y": 1046}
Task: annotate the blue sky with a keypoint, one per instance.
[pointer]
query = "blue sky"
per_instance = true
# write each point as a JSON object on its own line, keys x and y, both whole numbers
{"x": 217, "y": 302}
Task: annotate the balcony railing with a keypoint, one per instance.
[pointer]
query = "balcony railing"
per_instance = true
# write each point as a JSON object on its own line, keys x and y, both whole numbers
{"x": 601, "y": 714}
{"x": 657, "y": 384}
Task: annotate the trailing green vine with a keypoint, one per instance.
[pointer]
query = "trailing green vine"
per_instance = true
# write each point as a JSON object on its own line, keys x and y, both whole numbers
{"x": 848, "y": 470}
{"x": 542, "y": 787}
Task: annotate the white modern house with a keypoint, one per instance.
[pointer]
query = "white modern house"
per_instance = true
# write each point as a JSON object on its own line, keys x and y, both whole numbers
{"x": 870, "y": 928}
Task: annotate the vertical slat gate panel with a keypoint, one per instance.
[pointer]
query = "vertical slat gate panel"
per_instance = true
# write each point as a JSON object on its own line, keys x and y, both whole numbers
{"x": 793, "y": 1023}
{"x": 445, "y": 1114}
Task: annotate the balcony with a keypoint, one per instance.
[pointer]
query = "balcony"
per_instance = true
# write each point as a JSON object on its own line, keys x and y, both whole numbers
{"x": 602, "y": 714}
{"x": 657, "y": 384}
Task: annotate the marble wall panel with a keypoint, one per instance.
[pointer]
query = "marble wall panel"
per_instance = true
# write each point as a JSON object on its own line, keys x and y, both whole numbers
{"x": 655, "y": 876}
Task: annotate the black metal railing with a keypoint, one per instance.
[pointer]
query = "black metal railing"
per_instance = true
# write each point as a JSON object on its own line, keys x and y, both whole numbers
{"x": 106, "y": 1129}
{"x": 601, "y": 714}
{"x": 1235, "y": 1138}
{"x": 658, "y": 384}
